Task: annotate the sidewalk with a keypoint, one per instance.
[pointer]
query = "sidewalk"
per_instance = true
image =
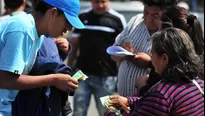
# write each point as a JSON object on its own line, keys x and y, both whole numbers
{"x": 92, "y": 111}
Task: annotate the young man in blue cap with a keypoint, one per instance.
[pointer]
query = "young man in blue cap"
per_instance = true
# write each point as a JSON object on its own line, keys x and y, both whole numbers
{"x": 20, "y": 40}
{"x": 49, "y": 60}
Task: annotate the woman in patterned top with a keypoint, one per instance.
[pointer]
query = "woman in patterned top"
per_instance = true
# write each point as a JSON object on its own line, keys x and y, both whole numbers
{"x": 180, "y": 92}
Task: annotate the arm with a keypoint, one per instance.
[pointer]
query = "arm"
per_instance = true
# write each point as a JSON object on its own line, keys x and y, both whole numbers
{"x": 121, "y": 101}
{"x": 13, "y": 81}
{"x": 17, "y": 48}
{"x": 64, "y": 47}
{"x": 142, "y": 60}
{"x": 152, "y": 104}
{"x": 75, "y": 45}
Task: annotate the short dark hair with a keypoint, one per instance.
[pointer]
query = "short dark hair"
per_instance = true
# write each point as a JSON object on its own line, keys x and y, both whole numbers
{"x": 160, "y": 3}
{"x": 13, "y": 4}
{"x": 41, "y": 7}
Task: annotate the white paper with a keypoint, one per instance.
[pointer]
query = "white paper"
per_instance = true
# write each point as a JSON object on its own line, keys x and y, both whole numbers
{"x": 118, "y": 51}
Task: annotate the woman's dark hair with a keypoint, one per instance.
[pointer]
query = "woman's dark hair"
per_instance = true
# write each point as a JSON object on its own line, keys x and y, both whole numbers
{"x": 160, "y": 3}
{"x": 184, "y": 63}
{"x": 13, "y": 4}
{"x": 39, "y": 6}
{"x": 180, "y": 18}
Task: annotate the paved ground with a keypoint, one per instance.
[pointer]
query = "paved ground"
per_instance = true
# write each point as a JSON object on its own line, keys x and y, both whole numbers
{"x": 92, "y": 109}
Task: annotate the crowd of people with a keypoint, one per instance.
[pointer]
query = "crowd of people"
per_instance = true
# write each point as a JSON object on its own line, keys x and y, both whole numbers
{"x": 165, "y": 76}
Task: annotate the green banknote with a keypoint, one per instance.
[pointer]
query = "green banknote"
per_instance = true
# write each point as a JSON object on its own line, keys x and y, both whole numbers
{"x": 104, "y": 101}
{"x": 80, "y": 76}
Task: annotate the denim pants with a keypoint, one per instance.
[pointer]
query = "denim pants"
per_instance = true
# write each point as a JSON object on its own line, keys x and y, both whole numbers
{"x": 99, "y": 87}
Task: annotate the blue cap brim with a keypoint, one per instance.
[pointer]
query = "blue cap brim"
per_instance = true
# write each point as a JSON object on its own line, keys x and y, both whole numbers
{"x": 75, "y": 21}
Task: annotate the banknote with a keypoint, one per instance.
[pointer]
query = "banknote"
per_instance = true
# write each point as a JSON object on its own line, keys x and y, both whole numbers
{"x": 80, "y": 76}
{"x": 104, "y": 100}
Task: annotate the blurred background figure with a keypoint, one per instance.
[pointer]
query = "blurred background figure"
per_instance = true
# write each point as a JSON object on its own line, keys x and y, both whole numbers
{"x": 103, "y": 24}
{"x": 13, "y": 8}
{"x": 184, "y": 5}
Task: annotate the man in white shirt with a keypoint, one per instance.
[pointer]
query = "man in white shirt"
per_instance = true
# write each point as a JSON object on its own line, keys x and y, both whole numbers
{"x": 136, "y": 38}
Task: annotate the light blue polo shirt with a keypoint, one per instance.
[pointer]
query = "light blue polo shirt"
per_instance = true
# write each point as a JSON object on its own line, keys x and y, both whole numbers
{"x": 19, "y": 43}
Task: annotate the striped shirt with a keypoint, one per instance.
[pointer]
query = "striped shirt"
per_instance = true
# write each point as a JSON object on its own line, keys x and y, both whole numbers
{"x": 137, "y": 33}
{"x": 175, "y": 99}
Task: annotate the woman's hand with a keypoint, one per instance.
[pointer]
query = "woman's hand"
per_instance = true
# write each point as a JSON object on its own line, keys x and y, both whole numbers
{"x": 119, "y": 102}
{"x": 109, "y": 110}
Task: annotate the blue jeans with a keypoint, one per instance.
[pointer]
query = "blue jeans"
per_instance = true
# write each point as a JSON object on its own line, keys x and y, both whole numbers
{"x": 99, "y": 86}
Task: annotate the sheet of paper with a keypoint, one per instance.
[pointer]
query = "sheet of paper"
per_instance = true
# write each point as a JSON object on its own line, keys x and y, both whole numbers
{"x": 118, "y": 51}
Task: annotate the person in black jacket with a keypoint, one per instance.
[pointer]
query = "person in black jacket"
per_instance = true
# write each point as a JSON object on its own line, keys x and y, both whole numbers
{"x": 46, "y": 101}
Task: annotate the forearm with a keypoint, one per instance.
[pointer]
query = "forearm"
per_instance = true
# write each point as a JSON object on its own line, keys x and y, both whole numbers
{"x": 20, "y": 82}
{"x": 142, "y": 60}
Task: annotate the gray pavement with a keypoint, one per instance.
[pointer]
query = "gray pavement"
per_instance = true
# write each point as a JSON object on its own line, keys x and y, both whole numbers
{"x": 92, "y": 111}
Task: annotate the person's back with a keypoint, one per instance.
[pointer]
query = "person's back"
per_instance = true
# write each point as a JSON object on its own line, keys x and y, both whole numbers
{"x": 179, "y": 99}
{"x": 27, "y": 34}
{"x": 13, "y": 8}
{"x": 26, "y": 26}
{"x": 12, "y": 14}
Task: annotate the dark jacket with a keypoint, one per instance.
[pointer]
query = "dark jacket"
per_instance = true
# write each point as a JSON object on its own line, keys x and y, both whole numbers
{"x": 44, "y": 101}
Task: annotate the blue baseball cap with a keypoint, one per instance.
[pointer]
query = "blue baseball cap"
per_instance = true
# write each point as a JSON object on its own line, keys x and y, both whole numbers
{"x": 71, "y": 9}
